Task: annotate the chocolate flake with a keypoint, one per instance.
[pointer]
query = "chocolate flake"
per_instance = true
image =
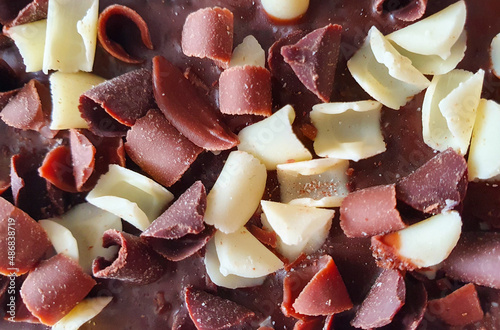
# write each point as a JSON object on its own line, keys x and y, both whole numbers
{"x": 404, "y": 10}
{"x": 34, "y": 11}
{"x": 83, "y": 157}
{"x": 57, "y": 168}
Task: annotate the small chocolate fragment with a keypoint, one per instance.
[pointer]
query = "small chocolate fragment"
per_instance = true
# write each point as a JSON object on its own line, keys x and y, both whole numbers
{"x": 20, "y": 164}
{"x": 57, "y": 168}
{"x": 308, "y": 324}
{"x": 384, "y": 300}
{"x": 370, "y": 211}
{"x": 8, "y": 78}
{"x": 476, "y": 259}
{"x": 404, "y": 10}
{"x": 9, "y": 9}
{"x": 34, "y": 11}
{"x": 82, "y": 156}
{"x": 30, "y": 242}
{"x": 182, "y": 321}
{"x": 314, "y": 59}
{"x": 113, "y": 48}
{"x": 415, "y": 305}
{"x": 208, "y": 32}
{"x": 210, "y": 312}
{"x": 160, "y": 149}
{"x": 5, "y": 97}
{"x": 461, "y": 307}
{"x": 186, "y": 110}
{"x": 53, "y": 288}
{"x": 268, "y": 238}
{"x": 440, "y": 184}
{"x": 245, "y": 90}
{"x": 136, "y": 262}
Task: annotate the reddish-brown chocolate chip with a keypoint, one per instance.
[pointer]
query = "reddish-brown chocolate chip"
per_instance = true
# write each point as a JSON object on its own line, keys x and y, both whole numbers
{"x": 186, "y": 110}
{"x": 83, "y": 157}
{"x": 160, "y": 149}
{"x": 53, "y": 288}
{"x": 461, "y": 307}
{"x": 114, "y": 48}
{"x": 210, "y": 312}
{"x": 403, "y": 10}
{"x": 245, "y": 90}
{"x": 314, "y": 59}
{"x": 370, "y": 211}
{"x": 28, "y": 244}
{"x": 439, "y": 184}
{"x": 268, "y": 238}
{"x": 115, "y": 104}
{"x": 34, "y": 11}
{"x": 384, "y": 300}
{"x": 476, "y": 259}
{"x": 208, "y": 32}
{"x": 57, "y": 168}
{"x": 136, "y": 262}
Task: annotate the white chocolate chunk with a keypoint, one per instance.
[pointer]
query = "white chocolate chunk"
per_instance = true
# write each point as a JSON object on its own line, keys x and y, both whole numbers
{"x": 317, "y": 182}
{"x": 285, "y": 9}
{"x": 241, "y": 254}
{"x": 30, "y": 40}
{"x": 71, "y": 35}
{"x": 484, "y": 154}
{"x": 272, "y": 140}
{"x": 434, "y": 35}
{"x": 130, "y": 196}
{"x": 230, "y": 281}
{"x": 61, "y": 238}
{"x": 495, "y": 55}
{"x": 449, "y": 110}
{"x": 249, "y": 52}
{"x": 348, "y": 130}
{"x": 66, "y": 89}
{"x": 236, "y": 193}
{"x": 82, "y": 313}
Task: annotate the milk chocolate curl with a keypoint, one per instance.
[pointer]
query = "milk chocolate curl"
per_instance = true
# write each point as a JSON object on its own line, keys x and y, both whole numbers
{"x": 34, "y": 11}
{"x": 186, "y": 110}
{"x": 314, "y": 59}
{"x": 440, "y": 184}
{"x": 404, "y": 10}
{"x": 115, "y": 104}
{"x": 245, "y": 90}
{"x": 160, "y": 149}
{"x": 370, "y": 211}
{"x": 57, "y": 168}
{"x": 83, "y": 157}
{"x": 29, "y": 242}
{"x": 9, "y": 9}
{"x": 459, "y": 308}
{"x": 112, "y": 47}
{"x": 136, "y": 262}
{"x": 208, "y": 32}
{"x": 53, "y": 288}
{"x": 476, "y": 259}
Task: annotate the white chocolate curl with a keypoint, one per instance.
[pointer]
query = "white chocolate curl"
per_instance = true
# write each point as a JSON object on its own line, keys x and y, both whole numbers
{"x": 285, "y": 9}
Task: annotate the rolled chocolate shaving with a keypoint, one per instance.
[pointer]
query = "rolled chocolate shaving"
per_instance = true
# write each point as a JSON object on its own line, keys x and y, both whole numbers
{"x": 314, "y": 59}
{"x": 136, "y": 262}
{"x": 82, "y": 157}
{"x": 21, "y": 313}
{"x": 208, "y": 32}
{"x": 160, "y": 149}
{"x": 186, "y": 110}
{"x": 113, "y": 106}
{"x": 113, "y": 48}
{"x": 57, "y": 168}
{"x": 404, "y": 10}
{"x": 5, "y": 97}
{"x": 34, "y": 11}
{"x": 53, "y": 288}
{"x": 245, "y": 90}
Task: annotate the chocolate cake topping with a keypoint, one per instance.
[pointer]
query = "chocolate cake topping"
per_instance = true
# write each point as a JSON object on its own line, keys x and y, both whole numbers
{"x": 82, "y": 156}
{"x": 412, "y": 313}
{"x": 268, "y": 238}
{"x": 10, "y": 9}
{"x": 403, "y": 10}
{"x": 34, "y": 11}
{"x": 5, "y": 97}
{"x": 20, "y": 165}
{"x": 57, "y": 168}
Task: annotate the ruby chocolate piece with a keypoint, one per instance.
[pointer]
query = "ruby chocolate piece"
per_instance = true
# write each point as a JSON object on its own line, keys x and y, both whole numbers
{"x": 439, "y": 184}
{"x": 186, "y": 110}
{"x": 208, "y": 32}
{"x": 83, "y": 157}
{"x": 160, "y": 149}
{"x": 409, "y": 11}
{"x": 245, "y": 90}
{"x": 210, "y": 312}
{"x": 384, "y": 300}
{"x": 34, "y": 11}
{"x": 314, "y": 59}
{"x": 136, "y": 262}
{"x": 53, "y": 288}
{"x": 461, "y": 307}
{"x": 29, "y": 244}
{"x": 476, "y": 259}
{"x": 370, "y": 211}
{"x": 268, "y": 238}
{"x": 57, "y": 168}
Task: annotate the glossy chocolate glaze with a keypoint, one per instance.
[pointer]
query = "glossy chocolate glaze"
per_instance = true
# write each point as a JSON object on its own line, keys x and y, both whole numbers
{"x": 154, "y": 306}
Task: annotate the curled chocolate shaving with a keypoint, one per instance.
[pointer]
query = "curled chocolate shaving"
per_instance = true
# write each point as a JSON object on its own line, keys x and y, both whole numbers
{"x": 54, "y": 288}
{"x": 208, "y": 32}
{"x": 34, "y": 11}
{"x": 57, "y": 168}
{"x": 160, "y": 149}
{"x": 404, "y": 10}
{"x": 245, "y": 90}
{"x": 136, "y": 262}
{"x": 5, "y": 97}
{"x": 186, "y": 110}
{"x": 112, "y": 47}
{"x": 82, "y": 156}
{"x": 113, "y": 106}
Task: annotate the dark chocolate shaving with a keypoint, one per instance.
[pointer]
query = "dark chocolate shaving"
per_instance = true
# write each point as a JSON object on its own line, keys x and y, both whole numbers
{"x": 57, "y": 168}
{"x": 136, "y": 262}
{"x": 8, "y": 78}
{"x": 54, "y": 288}
{"x": 411, "y": 315}
{"x": 160, "y": 149}
{"x": 314, "y": 59}
{"x": 404, "y": 10}
{"x": 5, "y": 97}
{"x": 182, "y": 321}
{"x": 186, "y": 110}
{"x": 112, "y": 47}
{"x": 34, "y": 11}
{"x": 9, "y": 9}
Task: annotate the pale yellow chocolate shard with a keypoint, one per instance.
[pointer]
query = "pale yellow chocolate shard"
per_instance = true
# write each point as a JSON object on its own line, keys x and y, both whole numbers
{"x": 85, "y": 311}
{"x": 495, "y": 55}
{"x": 249, "y": 52}
{"x": 61, "y": 238}
{"x": 30, "y": 40}
{"x": 285, "y": 9}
